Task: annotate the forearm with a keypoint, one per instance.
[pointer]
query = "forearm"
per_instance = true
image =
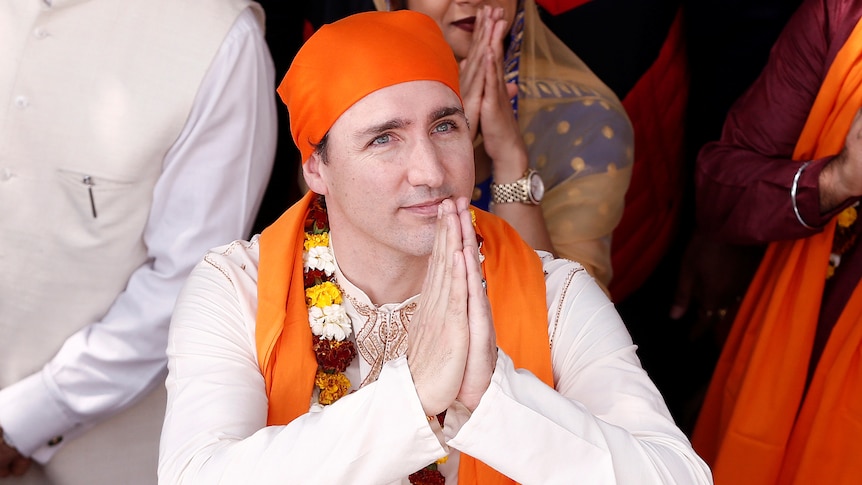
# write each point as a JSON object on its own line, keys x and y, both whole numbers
{"x": 99, "y": 371}
{"x": 378, "y": 433}
{"x": 574, "y": 442}
{"x": 527, "y": 219}
{"x": 216, "y": 429}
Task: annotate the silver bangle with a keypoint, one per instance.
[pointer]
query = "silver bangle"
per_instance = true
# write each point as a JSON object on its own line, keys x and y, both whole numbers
{"x": 793, "y": 188}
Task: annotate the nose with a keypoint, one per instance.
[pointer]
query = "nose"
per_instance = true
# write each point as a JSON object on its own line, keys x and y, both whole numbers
{"x": 425, "y": 164}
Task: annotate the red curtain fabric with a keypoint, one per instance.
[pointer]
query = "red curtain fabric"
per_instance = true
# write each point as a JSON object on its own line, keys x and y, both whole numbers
{"x": 656, "y": 106}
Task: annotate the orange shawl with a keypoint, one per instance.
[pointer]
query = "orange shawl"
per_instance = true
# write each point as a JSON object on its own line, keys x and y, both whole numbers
{"x": 516, "y": 289}
{"x": 756, "y": 427}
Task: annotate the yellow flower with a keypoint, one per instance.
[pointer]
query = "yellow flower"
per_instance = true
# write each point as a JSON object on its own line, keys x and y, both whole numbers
{"x": 847, "y": 217}
{"x": 443, "y": 460}
{"x": 314, "y": 240}
{"x": 322, "y": 295}
{"x": 473, "y": 217}
{"x": 332, "y": 387}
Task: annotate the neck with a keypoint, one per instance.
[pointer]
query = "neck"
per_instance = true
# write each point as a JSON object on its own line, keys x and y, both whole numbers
{"x": 385, "y": 276}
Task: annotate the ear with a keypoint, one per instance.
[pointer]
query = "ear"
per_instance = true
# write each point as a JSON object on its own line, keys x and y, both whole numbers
{"x": 311, "y": 172}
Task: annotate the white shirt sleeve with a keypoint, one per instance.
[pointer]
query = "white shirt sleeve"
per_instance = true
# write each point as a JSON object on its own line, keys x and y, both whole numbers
{"x": 605, "y": 423}
{"x": 215, "y": 428}
{"x": 208, "y": 194}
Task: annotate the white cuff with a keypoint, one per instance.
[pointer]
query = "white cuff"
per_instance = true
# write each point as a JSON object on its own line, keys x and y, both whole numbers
{"x": 31, "y": 418}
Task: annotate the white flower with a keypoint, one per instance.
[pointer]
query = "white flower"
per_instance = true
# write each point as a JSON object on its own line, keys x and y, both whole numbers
{"x": 330, "y": 322}
{"x": 321, "y": 258}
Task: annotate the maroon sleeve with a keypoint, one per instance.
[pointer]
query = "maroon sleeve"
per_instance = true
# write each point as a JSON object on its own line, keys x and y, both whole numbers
{"x": 744, "y": 179}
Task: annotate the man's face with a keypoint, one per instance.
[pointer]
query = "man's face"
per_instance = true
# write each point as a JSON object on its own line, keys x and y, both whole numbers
{"x": 392, "y": 158}
{"x": 456, "y": 18}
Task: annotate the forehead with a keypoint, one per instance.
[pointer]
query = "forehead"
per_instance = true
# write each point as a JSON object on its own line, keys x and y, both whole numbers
{"x": 412, "y": 102}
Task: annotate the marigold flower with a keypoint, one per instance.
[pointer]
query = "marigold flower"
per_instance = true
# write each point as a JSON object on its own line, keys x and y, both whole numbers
{"x": 322, "y": 295}
{"x": 314, "y": 240}
{"x": 847, "y": 217}
{"x": 332, "y": 387}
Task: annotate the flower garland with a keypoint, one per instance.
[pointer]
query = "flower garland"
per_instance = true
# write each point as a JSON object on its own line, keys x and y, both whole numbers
{"x": 846, "y": 233}
{"x": 330, "y": 325}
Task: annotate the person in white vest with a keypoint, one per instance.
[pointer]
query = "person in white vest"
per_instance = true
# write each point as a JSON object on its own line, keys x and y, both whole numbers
{"x": 134, "y": 136}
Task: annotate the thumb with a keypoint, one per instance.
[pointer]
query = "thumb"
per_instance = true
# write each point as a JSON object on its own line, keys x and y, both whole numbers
{"x": 512, "y": 89}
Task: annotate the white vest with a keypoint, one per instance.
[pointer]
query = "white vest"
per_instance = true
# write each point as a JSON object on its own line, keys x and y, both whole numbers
{"x": 94, "y": 94}
{"x": 111, "y": 115}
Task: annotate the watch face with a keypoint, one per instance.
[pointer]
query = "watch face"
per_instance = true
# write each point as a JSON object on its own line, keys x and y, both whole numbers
{"x": 537, "y": 187}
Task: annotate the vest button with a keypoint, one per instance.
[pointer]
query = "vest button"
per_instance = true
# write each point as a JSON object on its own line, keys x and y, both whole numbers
{"x": 5, "y": 174}
{"x": 40, "y": 33}
{"x": 22, "y": 102}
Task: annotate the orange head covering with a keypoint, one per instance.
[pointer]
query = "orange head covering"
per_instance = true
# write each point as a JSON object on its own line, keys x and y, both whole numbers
{"x": 347, "y": 60}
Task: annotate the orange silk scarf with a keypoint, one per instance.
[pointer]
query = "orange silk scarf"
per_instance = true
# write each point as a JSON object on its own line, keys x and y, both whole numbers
{"x": 756, "y": 427}
{"x": 516, "y": 289}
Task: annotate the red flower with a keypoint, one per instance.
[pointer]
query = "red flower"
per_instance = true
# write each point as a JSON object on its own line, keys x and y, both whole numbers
{"x": 314, "y": 277}
{"x": 333, "y": 355}
{"x": 427, "y": 476}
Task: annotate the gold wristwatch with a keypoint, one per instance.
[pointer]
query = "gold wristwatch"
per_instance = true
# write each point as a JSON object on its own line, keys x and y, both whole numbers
{"x": 528, "y": 189}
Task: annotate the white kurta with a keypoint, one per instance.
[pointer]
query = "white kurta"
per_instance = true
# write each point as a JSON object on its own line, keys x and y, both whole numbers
{"x": 605, "y": 423}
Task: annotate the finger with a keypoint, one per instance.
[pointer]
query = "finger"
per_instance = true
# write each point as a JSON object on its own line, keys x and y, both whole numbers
{"x": 468, "y": 232}
{"x": 20, "y": 466}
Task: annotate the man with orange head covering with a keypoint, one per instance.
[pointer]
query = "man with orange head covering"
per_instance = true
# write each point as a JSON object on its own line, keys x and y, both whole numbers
{"x": 382, "y": 331}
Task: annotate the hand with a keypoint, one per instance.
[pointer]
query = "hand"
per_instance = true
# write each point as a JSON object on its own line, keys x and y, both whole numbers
{"x": 713, "y": 278}
{"x": 841, "y": 178}
{"x": 482, "y": 352}
{"x": 487, "y": 97}
{"x": 12, "y": 463}
{"x": 438, "y": 335}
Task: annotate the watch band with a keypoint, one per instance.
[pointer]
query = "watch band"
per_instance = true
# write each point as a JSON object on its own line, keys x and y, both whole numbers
{"x": 508, "y": 193}
{"x": 528, "y": 189}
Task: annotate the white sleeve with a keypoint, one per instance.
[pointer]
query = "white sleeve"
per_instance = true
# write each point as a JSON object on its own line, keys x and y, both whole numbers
{"x": 605, "y": 423}
{"x": 215, "y": 428}
{"x": 208, "y": 194}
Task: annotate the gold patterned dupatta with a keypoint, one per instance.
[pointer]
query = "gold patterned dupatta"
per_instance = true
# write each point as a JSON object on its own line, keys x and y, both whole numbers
{"x": 580, "y": 140}
{"x": 759, "y": 425}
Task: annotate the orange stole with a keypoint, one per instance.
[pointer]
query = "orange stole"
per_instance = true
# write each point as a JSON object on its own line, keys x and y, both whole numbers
{"x": 755, "y": 426}
{"x": 516, "y": 289}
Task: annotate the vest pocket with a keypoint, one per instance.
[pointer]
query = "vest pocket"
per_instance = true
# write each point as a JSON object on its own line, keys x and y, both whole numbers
{"x": 99, "y": 210}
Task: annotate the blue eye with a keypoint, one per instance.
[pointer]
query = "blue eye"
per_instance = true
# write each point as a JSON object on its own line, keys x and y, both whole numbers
{"x": 444, "y": 127}
{"x": 380, "y": 140}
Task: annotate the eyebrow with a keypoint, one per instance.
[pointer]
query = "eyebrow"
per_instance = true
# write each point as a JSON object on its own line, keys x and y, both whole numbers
{"x": 444, "y": 112}
{"x": 397, "y": 123}
{"x": 385, "y": 126}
